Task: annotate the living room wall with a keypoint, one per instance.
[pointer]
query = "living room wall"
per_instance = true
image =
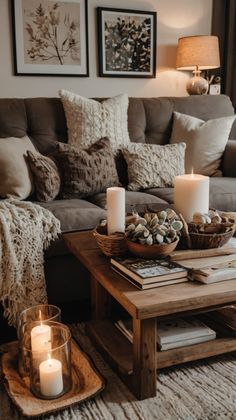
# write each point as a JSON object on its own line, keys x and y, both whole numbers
{"x": 175, "y": 18}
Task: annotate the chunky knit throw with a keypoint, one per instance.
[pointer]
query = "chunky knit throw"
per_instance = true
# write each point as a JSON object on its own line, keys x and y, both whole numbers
{"x": 26, "y": 230}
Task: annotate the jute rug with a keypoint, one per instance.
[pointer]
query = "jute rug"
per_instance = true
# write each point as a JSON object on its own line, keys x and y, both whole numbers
{"x": 203, "y": 390}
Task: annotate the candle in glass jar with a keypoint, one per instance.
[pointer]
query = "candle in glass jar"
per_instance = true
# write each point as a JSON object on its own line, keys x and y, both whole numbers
{"x": 191, "y": 195}
{"x": 41, "y": 338}
{"x": 50, "y": 376}
{"x": 115, "y": 210}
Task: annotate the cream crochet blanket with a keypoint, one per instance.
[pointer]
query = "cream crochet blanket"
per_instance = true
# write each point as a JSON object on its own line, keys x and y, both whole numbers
{"x": 26, "y": 230}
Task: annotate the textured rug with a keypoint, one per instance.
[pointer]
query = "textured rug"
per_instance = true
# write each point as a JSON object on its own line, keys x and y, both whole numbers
{"x": 203, "y": 390}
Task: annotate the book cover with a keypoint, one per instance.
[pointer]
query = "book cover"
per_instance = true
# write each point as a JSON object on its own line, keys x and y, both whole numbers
{"x": 180, "y": 329}
{"x": 150, "y": 285}
{"x": 188, "y": 342}
{"x": 147, "y": 271}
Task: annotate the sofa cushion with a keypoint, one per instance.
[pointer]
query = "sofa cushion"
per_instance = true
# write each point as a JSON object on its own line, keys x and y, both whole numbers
{"x": 151, "y": 165}
{"x": 205, "y": 142}
{"x": 45, "y": 175}
{"x": 222, "y": 193}
{"x": 86, "y": 172}
{"x": 15, "y": 176}
{"x": 75, "y": 214}
{"x": 88, "y": 120}
{"x": 134, "y": 201}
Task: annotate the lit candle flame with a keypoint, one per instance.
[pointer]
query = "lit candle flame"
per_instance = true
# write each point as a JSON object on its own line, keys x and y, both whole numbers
{"x": 192, "y": 173}
{"x": 40, "y": 317}
{"x": 49, "y": 359}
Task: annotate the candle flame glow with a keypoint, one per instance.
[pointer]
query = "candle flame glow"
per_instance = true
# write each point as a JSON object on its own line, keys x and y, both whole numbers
{"x": 40, "y": 317}
{"x": 49, "y": 360}
{"x": 192, "y": 173}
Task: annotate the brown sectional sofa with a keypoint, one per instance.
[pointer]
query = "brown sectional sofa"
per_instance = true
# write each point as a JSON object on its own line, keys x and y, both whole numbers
{"x": 150, "y": 121}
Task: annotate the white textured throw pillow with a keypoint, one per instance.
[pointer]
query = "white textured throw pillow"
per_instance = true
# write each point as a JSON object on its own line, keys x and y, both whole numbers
{"x": 151, "y": 165}
{"x": 89, "y": 120}
{"x": 205, "y": 142}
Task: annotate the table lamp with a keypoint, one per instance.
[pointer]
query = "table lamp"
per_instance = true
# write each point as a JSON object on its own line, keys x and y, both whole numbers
{"x": 197, "y": 53}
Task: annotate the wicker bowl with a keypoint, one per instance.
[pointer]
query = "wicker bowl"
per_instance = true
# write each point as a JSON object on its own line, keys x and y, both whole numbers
{"x": 207, "y": 241}
{"x": 204, "y": 240}
{"x": 114, "y": 245}
{"x": 151, "y": 251}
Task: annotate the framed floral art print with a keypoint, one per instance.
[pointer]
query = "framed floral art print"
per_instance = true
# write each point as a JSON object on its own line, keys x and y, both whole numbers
{"x": 51, "y": 37}
{"x": 127, "y": 43}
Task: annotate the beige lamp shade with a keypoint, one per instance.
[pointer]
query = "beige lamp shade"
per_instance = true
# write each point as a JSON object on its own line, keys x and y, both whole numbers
{"x": 200, "y": 51}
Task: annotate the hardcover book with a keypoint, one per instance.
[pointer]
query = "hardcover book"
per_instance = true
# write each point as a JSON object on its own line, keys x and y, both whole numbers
{"x": 150, "y": 285}
{"x": 146, "y": 271}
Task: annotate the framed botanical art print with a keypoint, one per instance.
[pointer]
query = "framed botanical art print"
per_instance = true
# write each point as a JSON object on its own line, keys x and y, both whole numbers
{"x": 127, "y": 43}
{"x": 50, "y": 37}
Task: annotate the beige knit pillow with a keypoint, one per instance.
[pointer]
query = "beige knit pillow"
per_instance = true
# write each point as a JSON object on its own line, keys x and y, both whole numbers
{"x": 151, "y": 165}
{"x": 15, "y": 176}
{"x": 89, "y": 120}
{"x": 205, "y": 142}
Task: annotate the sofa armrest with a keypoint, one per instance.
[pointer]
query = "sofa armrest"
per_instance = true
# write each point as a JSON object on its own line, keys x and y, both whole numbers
{"x": 229, "y": 159}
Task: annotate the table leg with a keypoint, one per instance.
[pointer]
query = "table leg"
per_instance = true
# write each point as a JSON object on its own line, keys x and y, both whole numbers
{"x": 144, "y": 358}
{"x": 100, "y": 300}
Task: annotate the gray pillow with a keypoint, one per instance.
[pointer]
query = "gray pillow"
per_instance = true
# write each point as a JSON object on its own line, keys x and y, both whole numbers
{"x": 46, "y": 176}
{"x": 205, "y": 142}
{"x": 151, "y": 165}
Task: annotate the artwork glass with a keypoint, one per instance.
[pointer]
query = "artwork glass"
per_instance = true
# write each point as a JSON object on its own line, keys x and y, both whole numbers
{"x": 51, "y": 37}
{"x": 127, "y": 43}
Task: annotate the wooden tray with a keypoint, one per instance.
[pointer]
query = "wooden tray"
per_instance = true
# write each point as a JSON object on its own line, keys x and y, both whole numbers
{"x": 87, "y": 383}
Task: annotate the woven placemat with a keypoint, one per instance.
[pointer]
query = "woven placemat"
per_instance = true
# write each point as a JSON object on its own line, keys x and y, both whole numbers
{"x": 87, "y": 383}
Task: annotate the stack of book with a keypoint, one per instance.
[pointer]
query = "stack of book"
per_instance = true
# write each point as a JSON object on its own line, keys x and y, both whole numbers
{"x": 209, "y": 265}
{"x": 172, "y": 334}
{"x": 148, "y": 274}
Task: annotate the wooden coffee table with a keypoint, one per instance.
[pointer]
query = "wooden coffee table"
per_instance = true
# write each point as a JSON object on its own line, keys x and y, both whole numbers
{"x": 137, "y": 363}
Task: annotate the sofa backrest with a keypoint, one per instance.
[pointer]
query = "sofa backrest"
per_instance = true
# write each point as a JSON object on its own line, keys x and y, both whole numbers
{"x": 149, "y": 119}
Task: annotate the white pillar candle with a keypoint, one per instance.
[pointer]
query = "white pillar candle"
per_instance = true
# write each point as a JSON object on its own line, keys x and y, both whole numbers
{"x": 115, "y": 210}
{"x": 41, "y": 338}
{"x": 50, "y": 376}
{"x": 191, "y": 194}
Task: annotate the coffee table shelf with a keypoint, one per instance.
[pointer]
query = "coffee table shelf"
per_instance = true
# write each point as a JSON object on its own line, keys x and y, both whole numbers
{"x": 118, "y": 349}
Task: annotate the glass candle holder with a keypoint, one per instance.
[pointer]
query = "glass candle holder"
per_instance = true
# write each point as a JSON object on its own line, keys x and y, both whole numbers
{"x": 38, "y": 315}
{"x": 49, "y": 348}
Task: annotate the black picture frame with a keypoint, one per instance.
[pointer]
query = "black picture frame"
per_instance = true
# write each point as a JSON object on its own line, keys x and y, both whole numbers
{"x": 126, "y": 42}
{"x": 30, "y": 60}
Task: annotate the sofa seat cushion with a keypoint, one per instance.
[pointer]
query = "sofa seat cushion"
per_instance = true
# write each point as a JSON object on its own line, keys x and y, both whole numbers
{"x": 134, "y": 201}
{"x": 222, "y": 193}
{"x": 75, "y": 214}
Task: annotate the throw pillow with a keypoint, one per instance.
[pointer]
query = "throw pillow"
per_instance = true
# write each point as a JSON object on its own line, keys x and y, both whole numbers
{"x": 15, "y": 176}
{"x": 86, "y": 172}
{"x": 205, "y": 142}
{"x": 46, "y": 176}
{"x": 89, "y": 120}
{"x": 151, "y": 165}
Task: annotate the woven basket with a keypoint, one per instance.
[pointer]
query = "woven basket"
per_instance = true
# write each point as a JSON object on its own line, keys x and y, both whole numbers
{"x": 111, "y": 245}
{"x": 207, "y": 241}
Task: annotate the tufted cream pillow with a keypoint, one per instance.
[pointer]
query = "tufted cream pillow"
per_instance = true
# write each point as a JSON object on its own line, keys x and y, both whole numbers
{"x": 205, "y": 142}
{"x": 151, "y": 165}
{"x": 15, "y": 177}
{"x": 89, "y": 120}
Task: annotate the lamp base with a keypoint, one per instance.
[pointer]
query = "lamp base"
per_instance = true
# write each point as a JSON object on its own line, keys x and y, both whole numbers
{"x": 197, "y": 85}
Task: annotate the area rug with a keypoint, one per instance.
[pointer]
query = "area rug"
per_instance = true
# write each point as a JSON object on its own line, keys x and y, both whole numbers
{"x": 204, "y": 390}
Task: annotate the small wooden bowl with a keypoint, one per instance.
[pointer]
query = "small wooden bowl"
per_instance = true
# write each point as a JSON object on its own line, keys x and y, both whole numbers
{"x": 151, "y": 251}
